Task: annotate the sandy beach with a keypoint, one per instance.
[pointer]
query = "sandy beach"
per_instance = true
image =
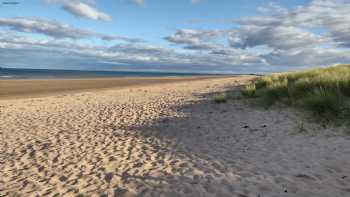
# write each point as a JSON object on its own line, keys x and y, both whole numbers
{"x": 24, "y": 88}
{"x": 165, "y": 138}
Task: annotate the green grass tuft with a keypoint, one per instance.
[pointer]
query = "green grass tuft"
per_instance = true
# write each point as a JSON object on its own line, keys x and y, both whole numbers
{"x": 323, "y": 101}
{"x": 221, "y": 98}
{"x": 323, "y": 91}
{"x": 249, "y": 90}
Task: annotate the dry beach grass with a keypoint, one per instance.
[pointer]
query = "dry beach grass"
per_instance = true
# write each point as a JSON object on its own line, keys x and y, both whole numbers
{"x": 166, "y": 140}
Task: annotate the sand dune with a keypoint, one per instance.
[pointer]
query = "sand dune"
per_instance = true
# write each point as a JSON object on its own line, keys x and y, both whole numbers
{"x": 166, "y": 140}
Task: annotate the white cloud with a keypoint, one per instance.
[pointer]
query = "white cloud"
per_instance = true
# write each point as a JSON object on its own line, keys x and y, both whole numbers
{"x": 82, "y": 9}
{"x": 141, "y": 2}
{"x": 272, "y": 7}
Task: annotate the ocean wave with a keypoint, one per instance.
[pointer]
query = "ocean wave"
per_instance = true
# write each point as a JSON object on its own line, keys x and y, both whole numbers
{"x": 6, "y": 76}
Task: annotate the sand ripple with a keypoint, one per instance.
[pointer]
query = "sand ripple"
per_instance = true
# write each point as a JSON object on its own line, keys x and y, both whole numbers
{"x": 164, "y": 141}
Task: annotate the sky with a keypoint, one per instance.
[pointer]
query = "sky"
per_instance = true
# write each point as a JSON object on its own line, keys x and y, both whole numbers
{"x": 206, "y": 36}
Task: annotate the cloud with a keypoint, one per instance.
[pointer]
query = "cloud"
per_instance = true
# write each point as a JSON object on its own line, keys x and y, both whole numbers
{"x": 195, "y": 39}
{"x": 275, "y": 37}
{"x": 55, "y": 29}
{"x": 330, "y": 15}
{"x": 307, "y": 57}
{"x": 139, "y": 2}
{"x": 82, "y": 9}
{"x": 277, "y": 40}
{"x": 122, "y": 38}
{"x": 128, "y": 53}
{"x": 142, "y": 2}
{"x": 314, "y": 34}
{"x": 46, "y": 27}
{"x": 272, "y": 7}
{"x": 19, "y": 41}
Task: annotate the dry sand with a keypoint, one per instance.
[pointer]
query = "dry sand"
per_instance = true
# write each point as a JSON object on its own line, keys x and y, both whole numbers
{"x": 166, "y": 140}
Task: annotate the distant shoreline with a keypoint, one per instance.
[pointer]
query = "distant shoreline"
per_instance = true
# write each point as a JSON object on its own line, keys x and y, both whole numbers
{"x": 21, "y": 73}
{"x": 31, "y": 88}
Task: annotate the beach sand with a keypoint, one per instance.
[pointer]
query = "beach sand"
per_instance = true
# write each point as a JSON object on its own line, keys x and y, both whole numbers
{"x": 24, "y": 88}
{"x": 168, "y": 139}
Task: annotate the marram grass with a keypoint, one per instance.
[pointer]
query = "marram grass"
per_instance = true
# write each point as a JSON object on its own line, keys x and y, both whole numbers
{"x": 249, "y": 90}
{"x": 323, "y": 90}
{"x": 221, "y": 98}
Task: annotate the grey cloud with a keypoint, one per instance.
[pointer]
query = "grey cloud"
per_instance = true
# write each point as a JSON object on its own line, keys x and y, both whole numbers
{"x": 275, "y": 37}
{"x": 308, "y": 57}
{"x": 127, "y": 53}
{"x": 137, "y": 49}
{"x": 46, "y": 27}
{"x": 289, "y": 36}
{"x": 201, "y": 46}
{"x": 122, "y": 38}
{"x": 195, "y": 39}
{"x": 17, "y": 41}
{"x": 56, "y": 30}
{"x": 331, "y": 15}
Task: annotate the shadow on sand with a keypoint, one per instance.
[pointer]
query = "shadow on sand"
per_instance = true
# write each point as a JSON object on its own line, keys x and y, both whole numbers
{"x": 203, "y": 149}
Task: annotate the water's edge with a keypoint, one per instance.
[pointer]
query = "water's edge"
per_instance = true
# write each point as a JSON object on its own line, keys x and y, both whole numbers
{"x": 17, "y": 73}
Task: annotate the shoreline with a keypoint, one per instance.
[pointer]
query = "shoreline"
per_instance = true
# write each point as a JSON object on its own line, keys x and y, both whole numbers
{"x": 33, "y": 88}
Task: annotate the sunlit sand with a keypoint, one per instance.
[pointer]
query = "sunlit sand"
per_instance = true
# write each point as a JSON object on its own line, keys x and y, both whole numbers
{"x": 169, "y": 139}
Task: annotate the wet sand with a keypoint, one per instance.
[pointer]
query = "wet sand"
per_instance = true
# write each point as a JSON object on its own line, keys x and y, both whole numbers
{"x": 24, "y": 88}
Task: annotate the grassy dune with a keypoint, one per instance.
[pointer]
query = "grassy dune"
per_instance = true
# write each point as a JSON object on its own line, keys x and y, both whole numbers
{"x": 324, "y": 91}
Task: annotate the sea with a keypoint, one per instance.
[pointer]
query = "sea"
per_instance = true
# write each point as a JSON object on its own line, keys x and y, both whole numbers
{"x": 20, "y": 73}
